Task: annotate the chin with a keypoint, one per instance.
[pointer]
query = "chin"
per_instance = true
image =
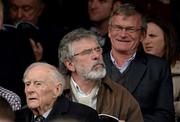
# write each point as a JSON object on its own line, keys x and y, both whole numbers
{"x": 32, "y": 105}
{"x": 95, "y": 19}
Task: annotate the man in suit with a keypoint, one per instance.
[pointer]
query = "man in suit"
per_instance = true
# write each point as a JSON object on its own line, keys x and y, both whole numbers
{"x": 80, "y": 58}
{"x": 43, "y": 89}
{"x": 147, "y": 77}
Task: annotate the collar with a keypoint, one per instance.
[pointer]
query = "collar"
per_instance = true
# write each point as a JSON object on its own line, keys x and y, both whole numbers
{"x": 126, "y": 63}
{"x": 76, "y": 86}
{"x": 106, "y": 81}
{"x": 78, "y": 89}
{"x": 45, "y": 114}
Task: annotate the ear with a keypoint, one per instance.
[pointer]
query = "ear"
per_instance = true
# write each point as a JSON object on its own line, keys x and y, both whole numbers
{"x": 116, "y": 4}
{"x": 70, "y": 65}
{"x": 58, "y": 89}
{"x": 41, "y": 9}
{"x": 109, "y": 32}
{"x": 143, "y": 36}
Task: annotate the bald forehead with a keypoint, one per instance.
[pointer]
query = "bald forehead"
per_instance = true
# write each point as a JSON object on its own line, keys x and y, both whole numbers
{"x": 42, "y": 71}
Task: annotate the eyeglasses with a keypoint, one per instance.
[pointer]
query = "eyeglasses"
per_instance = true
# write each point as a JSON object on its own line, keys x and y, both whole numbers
{"x": 90, "y": 51}
{"x": 126, "y": 29}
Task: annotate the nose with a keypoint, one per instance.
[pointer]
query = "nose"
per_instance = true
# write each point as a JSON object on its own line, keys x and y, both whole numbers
{"x": 19, "y": 13}
{"x": 146, "y": 41}
{"x": 123, "y": 32}
{"x": 29, "y": 88}
{"x": 96, "y": 55}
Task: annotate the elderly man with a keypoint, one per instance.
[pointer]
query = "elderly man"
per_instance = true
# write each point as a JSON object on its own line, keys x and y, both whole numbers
{"x": 43, "y": 89}
{"x": 147, "y": 77}
{"x": 80, "y": 58}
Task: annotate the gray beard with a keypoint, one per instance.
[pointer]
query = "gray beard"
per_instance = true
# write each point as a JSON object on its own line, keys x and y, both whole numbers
{"x": 95, "y": 75}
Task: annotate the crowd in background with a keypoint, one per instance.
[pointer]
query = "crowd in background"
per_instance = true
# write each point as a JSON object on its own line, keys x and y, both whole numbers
{"x": 32, "y": 30}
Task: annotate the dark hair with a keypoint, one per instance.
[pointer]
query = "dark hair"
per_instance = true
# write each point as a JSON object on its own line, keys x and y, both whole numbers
{"x": 170, "y": 37}
{"x": 6, "y": 110}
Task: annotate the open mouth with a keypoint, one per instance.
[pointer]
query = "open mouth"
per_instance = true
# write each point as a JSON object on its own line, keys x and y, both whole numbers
{"x": 120, "y": 40}
{"x": 32, "y": 98}
{"x": 98, "y": 66}
{"x": 148, "y": 48}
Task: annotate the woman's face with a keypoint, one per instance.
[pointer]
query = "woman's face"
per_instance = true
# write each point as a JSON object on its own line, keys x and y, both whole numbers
{"x": 154, "y": 43}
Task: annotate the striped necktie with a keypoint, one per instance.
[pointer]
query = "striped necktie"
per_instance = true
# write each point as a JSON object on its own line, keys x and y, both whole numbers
{"x": 39, "y": 119}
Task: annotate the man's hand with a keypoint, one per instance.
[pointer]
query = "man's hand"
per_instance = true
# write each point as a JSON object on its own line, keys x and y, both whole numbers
{"x": 37, "y": 49}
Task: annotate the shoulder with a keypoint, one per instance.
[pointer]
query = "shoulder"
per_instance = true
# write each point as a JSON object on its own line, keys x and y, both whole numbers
{"x": 148, "y": 58}
{"x": 115, "y": 89}
{"x": 82, "y": 108}
{"x": 23, "y": 114}
{"x": 176, "y": 68}
{"x": 70, "y": 109}
{"x": 24, "y": 110}
{"x": 13, "y": 99}
{"x": 151, "y": 62}
{"x": 118, "y": 98}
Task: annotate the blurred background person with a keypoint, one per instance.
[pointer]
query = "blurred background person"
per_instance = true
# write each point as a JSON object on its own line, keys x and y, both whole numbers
{"x": 99, "y": 12}
{"x": 161, "y": 40}
{"x": 13, "y": 99}
{"x": 6, "y": 112}
{"x": 38, "y": 13}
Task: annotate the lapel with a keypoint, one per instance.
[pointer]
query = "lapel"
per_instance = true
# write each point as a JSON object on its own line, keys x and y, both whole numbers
{"x": 60, "y": 107}
{"x": 112, "y": 71}
{"x": 136, "y": 72}
{"x": 24, "y": 115}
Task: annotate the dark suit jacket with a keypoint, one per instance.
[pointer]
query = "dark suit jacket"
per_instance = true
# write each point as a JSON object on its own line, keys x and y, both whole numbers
{"x": 16, "y": 54}
{"x": 63, "y": 108}
{"x": 149, "y": 80}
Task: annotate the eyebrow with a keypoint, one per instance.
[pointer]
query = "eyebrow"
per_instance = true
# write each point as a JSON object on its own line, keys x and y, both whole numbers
{"x": 25, "y": 81}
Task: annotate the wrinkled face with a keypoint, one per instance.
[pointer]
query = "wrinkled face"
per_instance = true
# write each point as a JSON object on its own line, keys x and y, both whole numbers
{"x": 40, "y": 90}
{"x": 125, "y": 33}
{"x": 154, "y": 42}
{"x": 99, "y": 10}
{"x": 25, "y": 10}
{"x": 88, "y": 64}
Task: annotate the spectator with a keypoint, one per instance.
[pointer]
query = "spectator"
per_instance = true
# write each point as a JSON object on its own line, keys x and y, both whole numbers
{"x": 99, "y": 13}
{"x": 80, "y": 58}
{"x": 50, "y": 32}
{"x": 43, "y": 89}
{"x": 147, "y": 77}
{"x": 11, "y": 66}
{"x": 161, "y": 40}
{"x": 27, "y": 11}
